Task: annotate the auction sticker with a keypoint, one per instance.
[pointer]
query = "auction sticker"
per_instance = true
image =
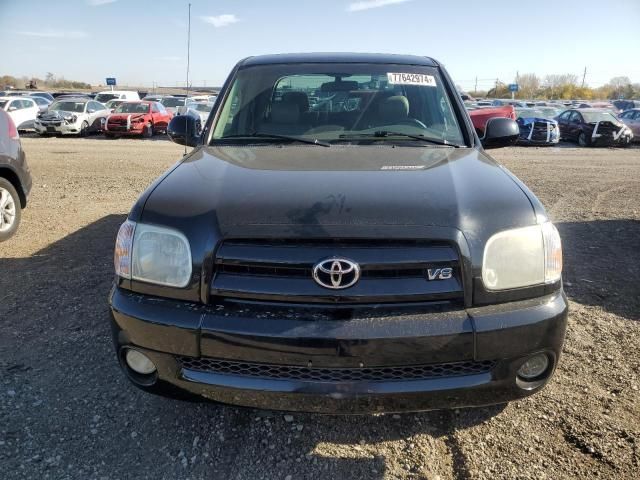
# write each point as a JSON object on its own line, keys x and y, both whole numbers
{"x": 411, "y": 79}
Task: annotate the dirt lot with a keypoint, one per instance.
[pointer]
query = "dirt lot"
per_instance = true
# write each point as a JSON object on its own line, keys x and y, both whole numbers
{"x": 66, "y": 411}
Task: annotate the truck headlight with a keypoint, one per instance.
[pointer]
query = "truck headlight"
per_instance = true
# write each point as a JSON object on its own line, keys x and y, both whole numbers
{"x": 153, "y": 254}
{"x": 522, "y": 257}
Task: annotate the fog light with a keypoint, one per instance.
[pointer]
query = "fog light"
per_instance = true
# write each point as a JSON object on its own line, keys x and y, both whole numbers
{"x": 139, "y": 362}
{"x": 534, "y": 367}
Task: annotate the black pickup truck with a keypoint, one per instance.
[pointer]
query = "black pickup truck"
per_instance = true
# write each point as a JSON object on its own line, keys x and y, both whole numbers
{"x": 339, "y": 241}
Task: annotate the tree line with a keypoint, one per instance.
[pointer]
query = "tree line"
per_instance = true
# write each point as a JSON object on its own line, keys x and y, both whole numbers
{"x": 50, "y": 81}
{"x": 564, "y": 87}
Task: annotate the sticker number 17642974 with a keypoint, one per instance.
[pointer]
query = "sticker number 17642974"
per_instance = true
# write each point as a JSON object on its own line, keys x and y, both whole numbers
{"x": 411, "y": 79}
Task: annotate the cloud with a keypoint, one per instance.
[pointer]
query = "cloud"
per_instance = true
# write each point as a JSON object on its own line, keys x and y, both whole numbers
{"x": 220, "y": 20}
{"x": 369, "y": 4}
{"x": 55, "y": 34}
{"x": 97, "y": 3}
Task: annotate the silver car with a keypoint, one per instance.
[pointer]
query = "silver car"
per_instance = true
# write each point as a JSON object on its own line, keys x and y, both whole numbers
{"x": 173, "y": 103}
{"x": 199, "y": 109}
{"x": 43, "y": 103}
{"x": 631, "y": 118}
{"x": 74, "y": 116}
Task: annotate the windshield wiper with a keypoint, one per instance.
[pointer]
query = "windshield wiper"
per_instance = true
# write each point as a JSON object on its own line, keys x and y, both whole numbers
{"x": 388, "y": 133}
{"x": 291, "y": 138}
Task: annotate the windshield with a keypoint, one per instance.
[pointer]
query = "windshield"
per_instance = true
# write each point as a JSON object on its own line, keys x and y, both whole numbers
{"x": 114, "y": 103}
{"x": 105, "y": 97}
{"x": 76, "y": 107}
{"x": 591, "y": 117}
{"x": 338, "y": 102}
{"x": 550, "y": 112}
{"x": 529, "y": 113}
{"x": 132, "y": 108}
{"x": 200, "y": 107}
{"x": 172, "y": 101}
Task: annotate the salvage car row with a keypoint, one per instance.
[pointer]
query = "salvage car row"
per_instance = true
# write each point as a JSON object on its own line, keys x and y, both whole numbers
{"x": 121, "y": 113}
{"x": 546, "y": 123}
{"x": 114, "y": 113}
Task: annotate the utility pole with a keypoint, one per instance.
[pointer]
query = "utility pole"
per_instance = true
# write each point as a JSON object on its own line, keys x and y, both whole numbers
{"x": 584, "y": 76}
{"x": 475, "y": 88}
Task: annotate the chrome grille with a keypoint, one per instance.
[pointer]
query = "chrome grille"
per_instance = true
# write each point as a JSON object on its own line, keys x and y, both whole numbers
{"x": 391, "y": 272}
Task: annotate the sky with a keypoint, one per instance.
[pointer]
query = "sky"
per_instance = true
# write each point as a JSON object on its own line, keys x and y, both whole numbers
{"x": 144, "y": 42}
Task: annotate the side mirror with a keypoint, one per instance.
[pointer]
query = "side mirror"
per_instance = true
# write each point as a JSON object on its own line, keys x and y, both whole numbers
{"x": 183, "y": 129}
{"x": 91, "y": 110}
{"x": 500, "y": 132}
{"x": 11, "y": 109}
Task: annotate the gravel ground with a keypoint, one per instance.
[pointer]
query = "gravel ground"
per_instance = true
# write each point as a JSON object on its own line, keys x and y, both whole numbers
{"x": 66, "y": 411}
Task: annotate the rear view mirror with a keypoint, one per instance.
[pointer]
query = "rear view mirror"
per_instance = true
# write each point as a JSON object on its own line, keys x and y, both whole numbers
{"x": 183, "y": 129}
{"x": 500, "y": 132}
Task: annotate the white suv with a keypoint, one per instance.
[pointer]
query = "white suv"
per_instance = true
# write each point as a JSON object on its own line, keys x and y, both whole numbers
{"x": 104, "y": 97}
{"x": 22, "y": 110}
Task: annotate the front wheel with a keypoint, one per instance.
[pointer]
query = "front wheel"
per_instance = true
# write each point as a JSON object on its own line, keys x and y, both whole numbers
{"x": 148, "y": 130}
{"x": 84, "y": 129}
{"x": 9, "y": 210}
{"x": 582, "y": 140}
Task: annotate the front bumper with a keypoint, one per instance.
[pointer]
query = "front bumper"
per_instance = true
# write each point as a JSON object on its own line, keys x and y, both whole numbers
{"x": 499, "y": 337}
{"x": 61, "y": 128}
{"x": 609, "y": 141}
{"x": 132, "y": 129}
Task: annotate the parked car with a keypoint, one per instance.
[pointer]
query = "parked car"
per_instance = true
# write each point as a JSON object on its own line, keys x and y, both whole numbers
{"x": 631, "y": 118}
{"x": 104, "y": 97}
{"x": 535, "y": 128}
{"x": 481, "y": 116}
{"x": 550, "y": 112}
{"x": 113, "y": 104}
{"x": 623, "y": 105}
{"x": 22, "y": 110}
{"x": 15, "y": 178}
{"x": 72, "y": 116}
{"x": 43, "y": 103}
{"x": 199, "y": 109}
{"x": 153, "y": 98}
{"x": 592, "y": 127}
{"x": 172, "y": 103}
{"x": 74, "y": 95}
{"x": 45, "y": 95}
{"x": 137, "y": 118}
{"x": 28, "y": 93}
{"x": 277, "y": 266}
{"x": 55, "y": 95}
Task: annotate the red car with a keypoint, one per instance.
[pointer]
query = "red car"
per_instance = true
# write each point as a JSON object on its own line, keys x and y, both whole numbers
{"x": 481, "y": 116}
{"x": 137, "y": 118}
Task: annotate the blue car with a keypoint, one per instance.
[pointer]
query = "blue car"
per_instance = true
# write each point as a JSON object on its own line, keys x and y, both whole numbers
{"x": 537, "y": 127}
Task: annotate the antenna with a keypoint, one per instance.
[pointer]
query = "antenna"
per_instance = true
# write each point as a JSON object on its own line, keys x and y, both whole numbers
{"x": 188, "y": 53}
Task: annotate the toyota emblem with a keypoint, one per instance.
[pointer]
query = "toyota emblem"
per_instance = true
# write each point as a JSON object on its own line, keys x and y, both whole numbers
{"x": 336, "y": 273}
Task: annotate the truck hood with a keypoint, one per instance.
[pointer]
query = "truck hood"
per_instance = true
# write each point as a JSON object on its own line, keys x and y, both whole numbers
{"x": 341, "y": 191}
